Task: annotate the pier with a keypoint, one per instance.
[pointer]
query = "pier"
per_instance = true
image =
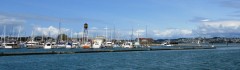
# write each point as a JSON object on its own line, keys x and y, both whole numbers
{"x": 17, "y": 52}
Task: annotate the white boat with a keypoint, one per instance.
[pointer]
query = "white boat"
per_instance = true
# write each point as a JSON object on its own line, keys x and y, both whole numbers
{"x": 137, "y": 45}
{"x": 98, "y": 42}
{"x": 61, "y": 44}
{"x": 108, "y": 44}
{"x": 10, "y": 45}
{"x": 75, "y": 45}
{"x": 166, "y": 44}
{"x": 7, "y": 45}
{"x": 116, "y": 46}
{"x": 128, "y": 45}
{"x": 32, "y": 44}
{"x": 69, "y": 45}
{"x": 48, "y": 45}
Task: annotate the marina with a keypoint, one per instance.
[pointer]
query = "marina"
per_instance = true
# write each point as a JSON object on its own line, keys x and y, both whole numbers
{"x": 119, "y": 35}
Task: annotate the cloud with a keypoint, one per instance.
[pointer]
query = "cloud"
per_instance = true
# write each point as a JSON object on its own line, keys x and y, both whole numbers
{"x": 136, "y": 33}
{"x": 199, "y": 19}
{"x": 12, "y": 25}
{"x": 226, "y": 28}
{"x": 172, "y": 33}
{"x": 53, "y": 31}
{"x": 4, "y": 20}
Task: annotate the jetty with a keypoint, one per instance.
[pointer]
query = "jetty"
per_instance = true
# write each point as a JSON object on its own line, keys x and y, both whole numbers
{"x": 17, "y": 52}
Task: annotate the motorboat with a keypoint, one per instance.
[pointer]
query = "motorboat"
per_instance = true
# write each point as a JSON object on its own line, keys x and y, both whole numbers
{"x": 127, "y": 45}
{"x": 108, "y": 44}
{"x": 48, "y": 45}
{"x": 86, "y": 45}
{"x": 10, "y": 45}
{"x": 98, "y": 42}
{"x": 32, "y": 44}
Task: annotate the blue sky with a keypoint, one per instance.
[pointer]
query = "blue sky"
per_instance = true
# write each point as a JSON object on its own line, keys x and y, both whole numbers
{"x": 163, "y": 18}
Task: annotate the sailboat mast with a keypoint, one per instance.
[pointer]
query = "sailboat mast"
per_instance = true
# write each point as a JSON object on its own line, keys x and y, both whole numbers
{"x": 132, "y": 34}
{"x": 19, "y": 33}
{"x": 106, "y": 34}
{"x": 114, "y": 33}
{"x": 60, "y": 31}
{"x": 146, "y": 31}
{"x": 4, "y": 34}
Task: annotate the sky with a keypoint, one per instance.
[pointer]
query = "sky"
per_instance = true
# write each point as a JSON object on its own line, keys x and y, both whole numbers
{"x": 158, "y": 19}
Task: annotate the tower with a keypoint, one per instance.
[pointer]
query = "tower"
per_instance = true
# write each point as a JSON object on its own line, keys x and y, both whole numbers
{"x": 85, "y": 33}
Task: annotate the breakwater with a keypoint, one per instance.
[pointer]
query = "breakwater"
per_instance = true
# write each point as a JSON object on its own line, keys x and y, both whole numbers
{"x": 15, "y": 52}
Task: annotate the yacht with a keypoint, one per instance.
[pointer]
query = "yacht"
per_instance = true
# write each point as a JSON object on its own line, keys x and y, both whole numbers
{"x": 10, "y": 45}
{"x": 108, "y": 44}
{"x": 98, "y": 42}
{"x": 75, "y": 45}
{"x": 48, "y": 45}
{"x": 69, "y": 45}
{"x": 128, "y": 45}
{"x": 86, "y": 45}
{"x": 32, "y": 44}
{"x": 61, "y": 44}
{"x": 137, "y": 45}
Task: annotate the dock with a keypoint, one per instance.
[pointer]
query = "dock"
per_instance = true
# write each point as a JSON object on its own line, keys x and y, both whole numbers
{"x": 17, "y": 52}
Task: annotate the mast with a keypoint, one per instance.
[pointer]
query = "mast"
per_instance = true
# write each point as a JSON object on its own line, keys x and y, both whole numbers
{"x": 71, "y": 35}
{"x": 146, "y": 31}
{"x": 132, "y": 35}
{"x": 110, "y": 35}
{"x": 114, "y": 32}
{"x": 106, "y": 34}
{"x": 59, "y": 27}
{"x": 146, "y": 35}
{"x": 4, "y": 34}
{"x": 19, "y": 34}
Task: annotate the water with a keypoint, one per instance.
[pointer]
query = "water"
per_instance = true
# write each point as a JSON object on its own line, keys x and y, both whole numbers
{"x": 223, "y": 58}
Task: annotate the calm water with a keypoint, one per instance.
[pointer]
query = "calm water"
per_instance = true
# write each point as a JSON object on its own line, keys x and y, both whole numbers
{"x": 223, "y": 58}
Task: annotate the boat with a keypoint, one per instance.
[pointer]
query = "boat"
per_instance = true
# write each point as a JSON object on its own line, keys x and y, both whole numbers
{"x": 1, "y": 45}
{"x": 86, "y": 45}
{"x": 60, "y": 45}
{"x": 10, "y": 45}
{"x": 48, "y": 45}
{"x": 127, "y": 45}
{"x": 108, "y": 44}
{"x": 98, "y": 42}
{"x": 69, "y": 45}
{"x": 32, "y": 44}
{"x": 75, "y": 45}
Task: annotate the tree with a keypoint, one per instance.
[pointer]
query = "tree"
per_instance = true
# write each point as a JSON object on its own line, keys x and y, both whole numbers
{"x": 62, "y": 37}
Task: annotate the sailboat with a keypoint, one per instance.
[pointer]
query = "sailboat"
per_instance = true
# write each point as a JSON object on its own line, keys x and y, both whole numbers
{"x": 31, "y": 44}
